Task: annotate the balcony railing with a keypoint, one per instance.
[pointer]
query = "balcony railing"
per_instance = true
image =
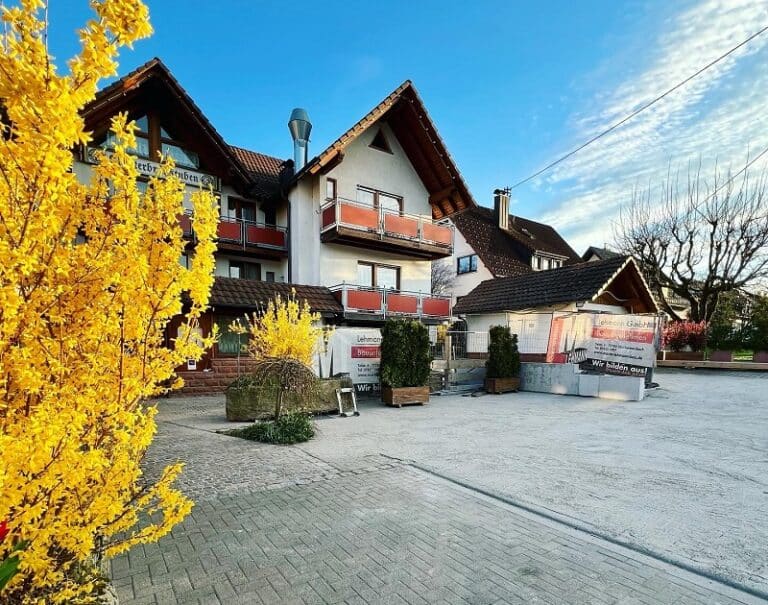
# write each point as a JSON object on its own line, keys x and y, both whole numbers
{"x": 248, "y": 234}
{"x": 386, "y": 225}
{"x": 383, "y": 302}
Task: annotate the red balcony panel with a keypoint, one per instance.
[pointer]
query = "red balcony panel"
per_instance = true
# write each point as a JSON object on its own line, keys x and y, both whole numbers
{"x": 401, "y": 226}
{"x": 229, "y": 230}
{"x": 185, "y": 222}
{"x": 266, "y": 236}
{"x": 439, "y": 234}
{"x": 436, "y": 307}
{"x": 364, "y": 300}
{"x": 329, "y": 216}
{"x": 402, "y": 303}
{"x": 355, "y": 216}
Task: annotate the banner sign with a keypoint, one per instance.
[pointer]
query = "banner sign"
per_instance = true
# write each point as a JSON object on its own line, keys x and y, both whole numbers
{"x": 356, "y": 351}
{"x": 624, "y": 345}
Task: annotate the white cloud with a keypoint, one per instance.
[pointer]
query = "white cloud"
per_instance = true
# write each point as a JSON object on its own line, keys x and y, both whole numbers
{"x": 716, "y": 117}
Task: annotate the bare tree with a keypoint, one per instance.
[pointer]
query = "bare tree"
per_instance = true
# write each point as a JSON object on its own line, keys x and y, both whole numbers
{"x": 442, "y": 276}
{"x": 700, "y": 239}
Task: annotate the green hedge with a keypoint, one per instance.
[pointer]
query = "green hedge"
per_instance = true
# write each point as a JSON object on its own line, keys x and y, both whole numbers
{"x": 503, "y": 356}
{"x": 405, "y": 354}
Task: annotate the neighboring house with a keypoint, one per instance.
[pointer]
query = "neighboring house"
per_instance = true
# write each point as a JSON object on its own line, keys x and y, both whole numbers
{"x": 491, "y": 243}
{"x": 592, "y": 253}
{"x": 353, "y": 230}
{"x": 527, "y": 302}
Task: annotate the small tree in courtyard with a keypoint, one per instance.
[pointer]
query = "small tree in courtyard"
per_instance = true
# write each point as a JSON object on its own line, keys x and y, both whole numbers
{"x": 89, "y": 279}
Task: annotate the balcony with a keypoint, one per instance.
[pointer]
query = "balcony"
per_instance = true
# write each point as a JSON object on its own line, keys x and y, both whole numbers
{"x": 380, "y": 303}
{"x": 239, "y": 235}
{"x": 347, "y": 222}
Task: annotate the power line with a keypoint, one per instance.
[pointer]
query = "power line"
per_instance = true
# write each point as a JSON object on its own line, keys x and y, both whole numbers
{"x": 640, "y": 109}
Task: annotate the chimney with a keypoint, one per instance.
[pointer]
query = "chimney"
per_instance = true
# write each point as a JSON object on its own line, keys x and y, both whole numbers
{"x": 300, "y": 127}
{"x": 501, "y": 207}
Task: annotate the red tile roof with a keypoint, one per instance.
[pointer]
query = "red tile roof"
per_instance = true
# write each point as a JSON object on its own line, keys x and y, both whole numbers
{"x": 264, "y": 170}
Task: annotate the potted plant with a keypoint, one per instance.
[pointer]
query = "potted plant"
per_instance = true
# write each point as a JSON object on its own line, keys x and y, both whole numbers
{"x": 405, "y": 362}
{"x": 502, "y": 370}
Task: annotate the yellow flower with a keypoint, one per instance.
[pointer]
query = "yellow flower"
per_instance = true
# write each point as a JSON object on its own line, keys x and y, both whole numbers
{"x": 82, "y": 322}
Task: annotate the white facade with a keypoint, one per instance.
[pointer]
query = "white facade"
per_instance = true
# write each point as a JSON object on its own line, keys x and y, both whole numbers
{"x": 464, "y": 283}
{"x": 330, "y": 264}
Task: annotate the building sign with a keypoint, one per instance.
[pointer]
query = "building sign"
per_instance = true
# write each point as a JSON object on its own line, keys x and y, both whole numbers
{"x": 148, "y": 168}
{"x": 356, "y": 351}
{"x": 623, "y": 345}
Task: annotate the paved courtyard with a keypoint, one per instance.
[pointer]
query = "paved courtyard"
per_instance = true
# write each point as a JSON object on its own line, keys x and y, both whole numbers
{"x": 681, "y": 474}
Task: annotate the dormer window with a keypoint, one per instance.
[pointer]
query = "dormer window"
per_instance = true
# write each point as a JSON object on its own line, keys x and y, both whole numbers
{"x": 540, "y": 262}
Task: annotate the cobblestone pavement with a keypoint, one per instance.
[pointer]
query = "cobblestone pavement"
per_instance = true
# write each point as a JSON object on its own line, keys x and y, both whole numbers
{"x": 276, "y": 525}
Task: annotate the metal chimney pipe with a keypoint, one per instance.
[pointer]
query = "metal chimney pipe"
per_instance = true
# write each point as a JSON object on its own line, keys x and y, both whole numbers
{"x": 300, "y": 127}
{"x": 501, "y": 207}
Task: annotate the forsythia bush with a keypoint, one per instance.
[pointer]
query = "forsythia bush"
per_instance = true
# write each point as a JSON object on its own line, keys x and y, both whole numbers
{"x": 89, "y": 278}
{"x": 287, "y": 329}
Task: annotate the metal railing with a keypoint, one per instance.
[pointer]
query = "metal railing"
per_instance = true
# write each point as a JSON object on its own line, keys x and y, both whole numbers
{"x": 391, "y": 303}
{"x": 252, "y": 233}
{"x": 385, "y": 223}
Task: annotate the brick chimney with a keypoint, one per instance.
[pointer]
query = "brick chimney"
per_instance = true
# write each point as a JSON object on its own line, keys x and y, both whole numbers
{"x": 501, "y": 207}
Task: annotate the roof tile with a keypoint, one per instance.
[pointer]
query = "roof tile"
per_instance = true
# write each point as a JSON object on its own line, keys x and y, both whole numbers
{"x": 571, "y": 283}
{"x": 254, "y": 294}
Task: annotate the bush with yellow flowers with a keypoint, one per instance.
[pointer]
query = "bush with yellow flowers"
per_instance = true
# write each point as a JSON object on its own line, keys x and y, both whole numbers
{"x": 286, "y": 329}
{"x": 89, "y": 279}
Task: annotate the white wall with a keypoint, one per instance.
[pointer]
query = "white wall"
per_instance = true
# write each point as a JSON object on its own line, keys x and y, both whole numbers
{"x": 466, "y": 282}
{"x": 280, "y": 268}
{"x": 331, "y": 264}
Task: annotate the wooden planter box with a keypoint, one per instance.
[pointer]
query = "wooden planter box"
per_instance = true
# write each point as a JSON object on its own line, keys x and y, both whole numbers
{"x": 405, "y": 395}
{"x": 502, "y": 385}
{"x": 684, "y": 355}
{"x": 760, "y": 356}
{"x": 721, "y": 356}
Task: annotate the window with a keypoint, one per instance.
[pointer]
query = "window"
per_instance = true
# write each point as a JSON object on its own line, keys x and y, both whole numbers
{"x": 229, "y": 342}
{"x": 542, "y": 263}
{"x": 244, "y": 270}
{"x": 270, "y": 276}
{"x": 379, "y": 199}
{"x": 154, "y": 141}
{"x": 240, "y": 209}
{"x": 466, "y": 264}
{"x": 380, "y": 142}
{"x": 270, "y": 216}
{"x": 184, "y": 260}
{"x": 330, "y": 189}
{"x": 373, "y": 275}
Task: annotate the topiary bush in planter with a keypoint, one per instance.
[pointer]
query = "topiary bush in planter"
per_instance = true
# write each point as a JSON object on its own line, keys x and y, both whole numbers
{"x": 405, "y": 362}
{"x": 502, "y": 370}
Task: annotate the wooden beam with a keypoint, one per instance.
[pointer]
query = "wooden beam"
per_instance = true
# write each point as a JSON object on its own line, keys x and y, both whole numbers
{"x": 442, "y": 194}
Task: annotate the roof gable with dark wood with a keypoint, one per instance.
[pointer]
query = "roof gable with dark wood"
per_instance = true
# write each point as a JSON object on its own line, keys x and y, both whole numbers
{"x": 616, "y": 281}
{"x": 152, "y": 88}
{"x": 407, "y": 117}
{"x": 508, "y": 252}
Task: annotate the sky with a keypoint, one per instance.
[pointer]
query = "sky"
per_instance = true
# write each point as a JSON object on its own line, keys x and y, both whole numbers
{"x": 511, "y": 86}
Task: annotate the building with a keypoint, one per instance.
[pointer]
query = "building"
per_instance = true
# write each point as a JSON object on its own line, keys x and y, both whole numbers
{"x": 491, "y": 243}
{"x": 529, "y": 302}
{"x": 353, "y": 230}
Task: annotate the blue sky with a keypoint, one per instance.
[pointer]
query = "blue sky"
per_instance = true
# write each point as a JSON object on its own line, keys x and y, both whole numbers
{"x": 510, "y": 85}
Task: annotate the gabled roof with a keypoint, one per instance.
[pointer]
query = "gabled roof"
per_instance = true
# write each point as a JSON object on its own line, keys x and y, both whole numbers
{"x": 115, "y": 97}
{"x": 407, "y": 116}
{"x": 600, "y": 253}
{"x": 229, "y": 292}
{"x": 507, "y": 252}
{"x": 584, "y": 282}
